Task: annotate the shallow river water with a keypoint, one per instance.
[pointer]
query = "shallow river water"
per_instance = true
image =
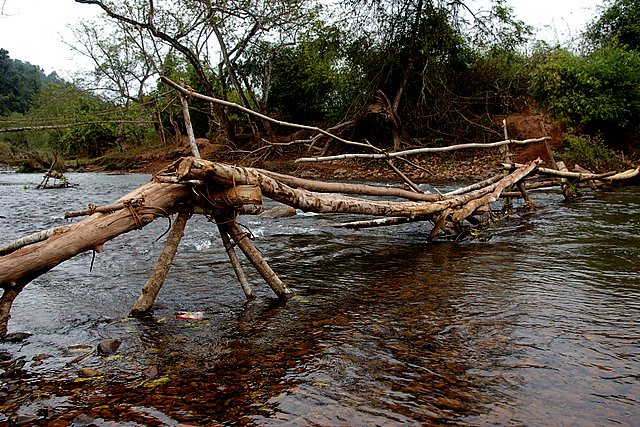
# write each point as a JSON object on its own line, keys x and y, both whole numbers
{"x": 538, "y": 325}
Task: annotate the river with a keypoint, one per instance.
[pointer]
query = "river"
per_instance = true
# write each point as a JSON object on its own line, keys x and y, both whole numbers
{"x": 537, "y": 324}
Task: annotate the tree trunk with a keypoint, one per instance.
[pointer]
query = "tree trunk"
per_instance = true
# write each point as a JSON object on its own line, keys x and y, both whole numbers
{"x": 27, "y": 263}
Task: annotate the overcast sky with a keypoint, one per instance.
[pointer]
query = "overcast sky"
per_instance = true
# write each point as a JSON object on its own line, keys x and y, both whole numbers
{"x": 33, "y": 30}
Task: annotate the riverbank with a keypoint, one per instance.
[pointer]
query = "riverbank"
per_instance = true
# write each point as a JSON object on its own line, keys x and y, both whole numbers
{"x": 457, "y": 166}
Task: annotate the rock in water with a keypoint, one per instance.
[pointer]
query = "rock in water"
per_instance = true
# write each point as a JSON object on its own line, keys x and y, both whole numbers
{"x": 16, "y": 337}
{"x": 108, "y": 346}
{"x": 89, "y": 373}
{"x": 280, "y": 211}
{"x": 151, "y": 372}
{"x": 24, "y": 419}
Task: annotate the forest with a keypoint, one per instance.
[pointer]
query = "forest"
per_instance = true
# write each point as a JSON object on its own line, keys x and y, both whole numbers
{"x": 397, "y": 74}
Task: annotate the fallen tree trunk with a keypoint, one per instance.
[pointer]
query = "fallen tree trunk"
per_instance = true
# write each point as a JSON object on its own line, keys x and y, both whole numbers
{"x": 23, "y": 265}
{"x": 347, "y": 188}
{"x": 220, "y": 191}
{"x": 308, "y": 201}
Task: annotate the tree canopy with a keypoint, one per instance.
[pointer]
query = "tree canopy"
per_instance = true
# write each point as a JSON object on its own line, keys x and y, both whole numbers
{"x": 19, "y": 83}
{"x": 400, "y": 72}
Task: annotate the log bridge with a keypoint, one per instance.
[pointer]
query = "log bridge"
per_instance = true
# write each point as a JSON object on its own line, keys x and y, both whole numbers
{"x": 222, "y": 192}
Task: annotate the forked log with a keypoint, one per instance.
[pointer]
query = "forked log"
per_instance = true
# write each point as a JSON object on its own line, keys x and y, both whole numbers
{"x": 235, "y": 262}
{"x": 254, "y": 256}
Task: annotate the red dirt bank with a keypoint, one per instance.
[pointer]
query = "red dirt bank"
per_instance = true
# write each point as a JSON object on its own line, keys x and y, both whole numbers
{"x": 464, "y": 165}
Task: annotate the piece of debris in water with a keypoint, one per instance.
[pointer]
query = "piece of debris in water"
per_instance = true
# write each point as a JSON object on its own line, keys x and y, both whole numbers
{"x": 190, "y": 315}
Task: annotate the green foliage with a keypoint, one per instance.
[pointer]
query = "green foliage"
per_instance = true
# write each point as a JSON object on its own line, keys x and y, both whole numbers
{"x": 600, "y": 91}
{"x": 589, "y": 152}
{"x": 91, "y": 133}
{"x": 619, "y": 24}
{"x": 89, "y": 140}
{"x": 498, "y": 29}
{"x": 308, "y": 82}
{"x": 498, "y": 82}
{"x": 19, "y": 82}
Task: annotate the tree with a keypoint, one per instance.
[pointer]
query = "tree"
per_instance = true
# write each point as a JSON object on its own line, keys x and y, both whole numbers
{"x": 306, "y": 82}
{"x": 599, "y": 91}
{"x": 19, "y": 82}
{"x": 198, "y": 28}
{"x": 619, "y": 24}
{"x": 419, "y": 53}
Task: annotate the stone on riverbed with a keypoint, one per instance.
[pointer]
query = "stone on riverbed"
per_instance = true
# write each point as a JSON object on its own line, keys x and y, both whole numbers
{"x": 108, "y": 346}
{"x": 280, "y": 211}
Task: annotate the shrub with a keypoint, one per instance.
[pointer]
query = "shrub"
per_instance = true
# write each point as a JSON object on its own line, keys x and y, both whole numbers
{"x": 600, "y": 91}
{"x": 589, "y": 152}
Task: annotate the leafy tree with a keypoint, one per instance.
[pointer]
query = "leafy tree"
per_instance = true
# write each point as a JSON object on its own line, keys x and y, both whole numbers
{"x": 92, "y": 130}
{"x": 618, "y": 24}
{"x": 307, "y": 82}
{"x": 420, "y": 53}
{"x": 600, "y": 91}
{"x": 19, "y": 82}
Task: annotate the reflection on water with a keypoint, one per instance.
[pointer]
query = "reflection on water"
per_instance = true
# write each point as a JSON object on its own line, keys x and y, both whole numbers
{"x": 537, "y": 326}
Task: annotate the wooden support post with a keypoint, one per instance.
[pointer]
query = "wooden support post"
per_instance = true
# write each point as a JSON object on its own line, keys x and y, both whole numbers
{"x": 507, "y": 203}
{"x": 568, "y": 189}
{"x": 6, "y": 301}
{"x": 254, "y": 256}
{"x": 438, "y": 224}
{"x": 151, "y": 289}
{"x": 523, "y": 190}
{"x": 235, "y": 262}
{"x": 187, "y": 122}
{"x": 552, "y": 159}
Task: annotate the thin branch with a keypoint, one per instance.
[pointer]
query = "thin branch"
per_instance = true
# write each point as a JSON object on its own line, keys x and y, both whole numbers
{"x": 419, "y": 150}
{"x": 70, "y": 125}
{"x": 256, "y": 114}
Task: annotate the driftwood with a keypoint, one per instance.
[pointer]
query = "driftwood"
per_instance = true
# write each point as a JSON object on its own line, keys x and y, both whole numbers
{"x": 222, "y": 192}
{"x": 152, "y": 287}
{"x": 415, "y": 151}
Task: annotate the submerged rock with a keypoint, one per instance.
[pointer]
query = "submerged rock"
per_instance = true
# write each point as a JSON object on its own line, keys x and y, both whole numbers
{"x": 89, "y": 373}
{"x": 151, "y": 372}
{"x": 108, "y": 346}
{"x": 24, "y": 419}
{"x": 280, "y": 211}
{"x": 16, "y": 337}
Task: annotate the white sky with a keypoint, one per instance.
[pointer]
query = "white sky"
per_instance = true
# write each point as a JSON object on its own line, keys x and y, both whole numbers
{"x": 33, "y": 30}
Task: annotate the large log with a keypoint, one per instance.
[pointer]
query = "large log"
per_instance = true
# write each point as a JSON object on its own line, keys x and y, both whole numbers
{"x": 348, "y": 188}
{"x": 160, "y": 199}
{"x": 223, "y": 174}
